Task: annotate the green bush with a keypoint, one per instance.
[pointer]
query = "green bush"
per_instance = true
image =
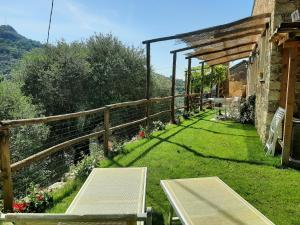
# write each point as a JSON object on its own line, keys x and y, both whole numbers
{"x": 247, "y": 111}
{"x": 158, "y": 125}
{"x": 88, "y": 163}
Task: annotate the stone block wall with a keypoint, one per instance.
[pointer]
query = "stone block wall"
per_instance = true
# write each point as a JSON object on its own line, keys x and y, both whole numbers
{"x": 265, "y": 72}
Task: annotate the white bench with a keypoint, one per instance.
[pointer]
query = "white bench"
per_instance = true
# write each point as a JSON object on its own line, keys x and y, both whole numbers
{"x": 209, "y": 201}
{"x": 108, "y": 196}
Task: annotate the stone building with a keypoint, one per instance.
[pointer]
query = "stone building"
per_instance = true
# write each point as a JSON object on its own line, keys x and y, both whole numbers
{"x": 265, "y": 71}
{"x": 237, "y": 79}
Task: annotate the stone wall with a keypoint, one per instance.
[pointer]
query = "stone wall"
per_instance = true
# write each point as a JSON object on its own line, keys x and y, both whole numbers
{"x": 238, "y": 79}
{"x": 265, "y": 71}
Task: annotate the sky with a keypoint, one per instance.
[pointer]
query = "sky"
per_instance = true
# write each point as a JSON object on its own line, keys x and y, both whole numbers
{"x": 132, "y": 21}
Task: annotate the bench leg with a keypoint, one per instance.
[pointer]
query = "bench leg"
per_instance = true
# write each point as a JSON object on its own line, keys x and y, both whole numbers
{"x": 149, "y": 216}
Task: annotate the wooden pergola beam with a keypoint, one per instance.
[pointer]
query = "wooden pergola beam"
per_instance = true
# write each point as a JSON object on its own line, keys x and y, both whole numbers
{"x": 242, "y": 29}
{"x": 226, "y": 61}
{"x": 224, "y": 26}
{"x": 252, "y": 33}
{"x": 221, "y": 50}
{"x": 233, "y": 54}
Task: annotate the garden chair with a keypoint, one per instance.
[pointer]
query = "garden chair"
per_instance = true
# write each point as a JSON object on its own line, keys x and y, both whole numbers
{"x": 209, "y": 201}
{"x": 275, "y": 132}
{"x": 109, "y": 196}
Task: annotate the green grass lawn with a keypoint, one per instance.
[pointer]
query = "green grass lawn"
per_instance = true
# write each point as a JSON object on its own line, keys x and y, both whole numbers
{"x": 202, "y": 147}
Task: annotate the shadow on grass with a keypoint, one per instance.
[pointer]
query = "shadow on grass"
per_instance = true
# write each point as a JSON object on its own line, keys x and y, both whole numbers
{"x": 157, "y": 218}
{"x": 222, "y": 133}
{"x": 195, "y": 152}
{"x": 144, "y": 153}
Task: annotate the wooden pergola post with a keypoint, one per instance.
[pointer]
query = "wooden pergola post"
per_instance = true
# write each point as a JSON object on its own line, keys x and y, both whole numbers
{"x": 173, "y": 88}
{"x": 202, "y": 86}
{"x": 185, "y": 90}
{"x": 148, "y": 76}
{"x": 189, "y": 73}
{"x": 290, "y": 99}
{"x": 6, "y": 171}
{"x": 107, "y": 131}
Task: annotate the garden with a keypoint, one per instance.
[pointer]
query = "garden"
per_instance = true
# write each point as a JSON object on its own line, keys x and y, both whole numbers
{"x": 199, "y": 147}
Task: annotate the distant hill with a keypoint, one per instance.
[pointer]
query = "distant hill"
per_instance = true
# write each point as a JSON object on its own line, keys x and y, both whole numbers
{"x": 163, "y": 85}
{"x": 12, "y": 47}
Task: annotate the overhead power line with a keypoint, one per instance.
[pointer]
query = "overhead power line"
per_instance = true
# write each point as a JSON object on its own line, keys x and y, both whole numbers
{"x": 50, "y": 19}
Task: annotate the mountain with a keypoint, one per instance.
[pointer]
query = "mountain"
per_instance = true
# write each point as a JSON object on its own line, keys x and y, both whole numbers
{"x": 12, "y": 47}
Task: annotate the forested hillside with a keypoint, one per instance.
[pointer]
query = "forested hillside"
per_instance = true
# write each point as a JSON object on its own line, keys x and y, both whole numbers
{"x": 12, "y": 47}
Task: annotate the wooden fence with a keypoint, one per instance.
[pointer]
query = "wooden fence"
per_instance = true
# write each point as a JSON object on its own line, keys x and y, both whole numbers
{"x": 8, "y": 168}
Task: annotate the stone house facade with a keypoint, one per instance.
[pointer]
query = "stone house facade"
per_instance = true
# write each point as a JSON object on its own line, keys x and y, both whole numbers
{"x": 237, "y": 78}
{"x": 264, "y": 75}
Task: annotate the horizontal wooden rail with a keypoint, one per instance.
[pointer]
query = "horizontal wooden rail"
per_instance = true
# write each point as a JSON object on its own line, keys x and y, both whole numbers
{"x": 185, "y": 95}
{"x": 159, "y": 113}
{"x": 22, "y": 122}
{"x": 127, "y": 104}
{"x": 49, "y": 151}
{"x": 155, "y": 100}
{"x": 180, "y": 95}
{"x": 183, "y": 107}
{"x": 118, "y": 127}
{"x": 41, "y": 120}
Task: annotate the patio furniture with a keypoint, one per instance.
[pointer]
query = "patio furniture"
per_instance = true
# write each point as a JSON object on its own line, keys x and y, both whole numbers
{"x": 209, "y": 201}
{"x": 109, "y": 196}
{"x": 275, "y": 132}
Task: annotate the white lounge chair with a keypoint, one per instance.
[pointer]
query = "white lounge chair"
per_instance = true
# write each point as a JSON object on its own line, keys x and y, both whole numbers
{"x": 109, "y": 196}
{"x": 275, "y": 132}
{"x": 209, "y": 201}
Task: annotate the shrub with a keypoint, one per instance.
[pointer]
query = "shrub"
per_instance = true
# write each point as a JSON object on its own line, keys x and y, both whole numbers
{"x": 247, "y": 111}
{"x": 158, "y": 125}
{"x": 144, "y": 132}
{"x": 88, "y": 163}
{"x": 117, "y": 148}
{"x": 186, "y": 115}
{"x": 36, "y": 201}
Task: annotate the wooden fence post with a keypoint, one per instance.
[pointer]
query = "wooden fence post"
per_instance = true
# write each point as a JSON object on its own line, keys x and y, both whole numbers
{"x": 107, "y": 131}
{"x": 173, "y": 88}
{"x": 6, "y": 171}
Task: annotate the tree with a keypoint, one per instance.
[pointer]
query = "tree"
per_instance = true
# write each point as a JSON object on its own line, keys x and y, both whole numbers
{"x": 210, "y": 77}
{"x": 55, "y": 77}
{"x": 24, "y": 140}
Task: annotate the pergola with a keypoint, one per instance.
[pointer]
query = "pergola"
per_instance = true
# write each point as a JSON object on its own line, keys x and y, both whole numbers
{"x": 214, "y": 45}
